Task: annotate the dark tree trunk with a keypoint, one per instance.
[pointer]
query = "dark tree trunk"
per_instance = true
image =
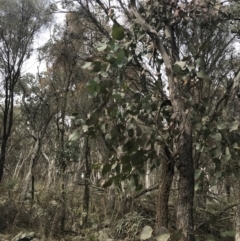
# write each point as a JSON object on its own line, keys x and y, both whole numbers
{"x": 2, "y": 162}
{"x": 7, "y": 122}
{"x": 86, "y": 197}
{"x": 32, "y": 191}
{"x": 63, "y": 214}
{"x": 185, "y": 166}
{"x": 167, "y": 172}
{"x": 183, "y": 161}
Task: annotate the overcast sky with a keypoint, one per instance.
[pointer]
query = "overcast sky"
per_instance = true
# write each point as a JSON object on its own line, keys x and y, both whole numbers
{"x": 32, "y": 65}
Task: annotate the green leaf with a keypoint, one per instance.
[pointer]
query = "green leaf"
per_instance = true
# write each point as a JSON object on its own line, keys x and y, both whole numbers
{"x": 134, "y": 178}
{"x": 162, "y": 237}
{"x": 198, "y": 173}
{"x": 102, "y": 46}
{"x": 228, "y": 233}
{"x": 146, "y": 233}
{"x": 112, "y": 44}
{"x": 108, "y": 183}
{"x": 138, "y": 159}
{"x": 121, "y": 58}
{"x": 136, "y": 97}
{"x": 93, "y": 85}
{"x": 227, "y": 151}
{"x": 199, "y": 147}
{"x": 178, "y": 69}
{"x": 114, "y": 165}
{"x": 131, "y": 133}
{"x": 192, "y": 49}
{"x": 181, "y": 64}
{"x": 85, "y": 128}
{"x": 217, "y": 163}
{"x": 128, "y": 44}
{"x": 129, "y": 146}
{"x": 109, "y": 58}
{"x": 138, "y": 130}
{"x": 176, "y": 236}
{"x": 216, "y": 152}
{"x": 141, "y": 37}
{"x": 96, "y": 66}
{"x": 225, "y": 158}
{"x": 104, "y": 74}
{"x": 210, "y": 238}
{"x": 79, "y": 122}
{"x": 221, "y": 126}
{"x": 204, "y": 45}
{"x": 217, "y": 136}
{"x": 74, "y": 114}
{"x": 114, "y": 134}
{"x": 87, "y": 65}
{"x": 106, "y": 168}
{"x": 205, "y": 119}
{"x": 113, "y": 112}
{"x": 162, "y": 234}
{"x": 117, "y": 32}
{"x": 126, "y": 167}
{"x": 196, "y": 186}
{"x": 190, "y": 67}
{"x": 234, "y": 126}
{"x": 202, "y": 75}
{"x": 74, "y": 136}
{"x": 200, "y": 63}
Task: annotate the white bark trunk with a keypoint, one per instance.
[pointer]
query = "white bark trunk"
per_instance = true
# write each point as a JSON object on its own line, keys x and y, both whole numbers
{"x": 147, "y": 176}
{"x": 51, "y": 179}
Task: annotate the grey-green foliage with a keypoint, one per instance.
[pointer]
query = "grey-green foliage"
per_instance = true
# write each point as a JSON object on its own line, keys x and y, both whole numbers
{"x": 20, "y": 21}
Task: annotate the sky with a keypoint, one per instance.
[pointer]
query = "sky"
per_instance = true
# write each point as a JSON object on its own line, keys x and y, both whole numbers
{"x": 32, "y": 65}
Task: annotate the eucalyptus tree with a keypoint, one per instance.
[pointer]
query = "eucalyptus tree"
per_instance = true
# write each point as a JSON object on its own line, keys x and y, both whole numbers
{"x": 20, "y": 21}
{"x": 38, "y": 107}
{"x": 65, "y": 54}
{"x": 176, "y": 39}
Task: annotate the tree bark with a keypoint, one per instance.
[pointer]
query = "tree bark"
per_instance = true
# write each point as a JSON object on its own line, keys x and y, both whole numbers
{"x": 183, "y": 160}
{"x": 237, "y": 216}
{"x": 185, "y": 185}
{"x": 34, "y": 158}
{"x": 2, "y": 161}
{"x": 167, "y": 173}
{"x": 86, "y": 197}
{"x": 147, "y": 176}
{"x": 7, "y": 119}
{"x": 63, "y": 211}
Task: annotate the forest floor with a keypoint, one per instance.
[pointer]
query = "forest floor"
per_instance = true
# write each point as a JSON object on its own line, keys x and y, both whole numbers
{"x": 120, "y": 218}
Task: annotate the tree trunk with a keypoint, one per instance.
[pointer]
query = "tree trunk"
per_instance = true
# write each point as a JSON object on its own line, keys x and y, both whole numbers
{"x": 237, "y": 215}
{"x": 63, "y": 213}
{"x": 3, "y": 151}
{"x": 34, "y": 158}
{"x": 7, "y": 123}
{"x": 50, "y": 179}
{"x": 1, "y": 167}
{"x": 147, "y": 176}
{"x": 167, "y": 173}
{"x": 86, "y": 197}
{"x": 186, "y": 184}
{"x": 184, "y": 161}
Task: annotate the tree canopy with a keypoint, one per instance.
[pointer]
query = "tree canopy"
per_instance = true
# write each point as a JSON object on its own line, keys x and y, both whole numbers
{"x": 140, "y": 100}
